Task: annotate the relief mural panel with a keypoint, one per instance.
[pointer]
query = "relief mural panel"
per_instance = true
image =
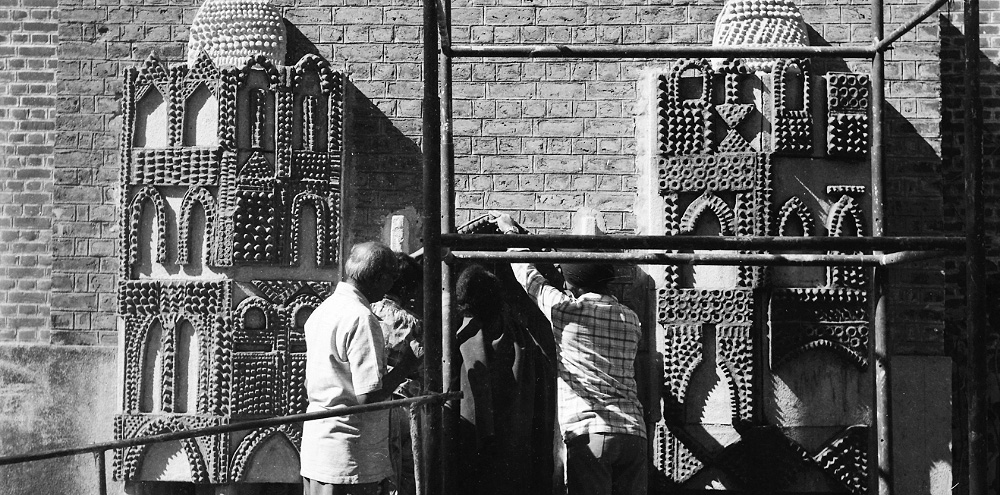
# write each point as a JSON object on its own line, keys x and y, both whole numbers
{"x": 231, "y": 210}
{"x": 743, "y": 148}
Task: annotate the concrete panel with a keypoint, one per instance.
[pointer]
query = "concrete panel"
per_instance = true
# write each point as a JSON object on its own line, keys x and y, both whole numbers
{"x": 921, "y": 407}
{"x": 53, "y": 397}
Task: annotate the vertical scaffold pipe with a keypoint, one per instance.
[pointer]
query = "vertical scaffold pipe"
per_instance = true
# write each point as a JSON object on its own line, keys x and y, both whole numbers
{"x": 975, "y": 275}
{"x": 450, "y": 413}
{"x": 434, "y": 469}
{"x": 881, "y": 462}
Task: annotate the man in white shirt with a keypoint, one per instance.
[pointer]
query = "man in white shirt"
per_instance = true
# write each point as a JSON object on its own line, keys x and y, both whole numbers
{"x": 345, "y": 366}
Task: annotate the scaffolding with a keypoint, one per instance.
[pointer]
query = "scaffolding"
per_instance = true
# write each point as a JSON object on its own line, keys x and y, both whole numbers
{"x": 442, "y": 244}
{"x": 440, "y": 238}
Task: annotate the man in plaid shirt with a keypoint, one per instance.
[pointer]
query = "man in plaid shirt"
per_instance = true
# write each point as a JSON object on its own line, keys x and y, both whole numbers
{"x": 599, "y": 410}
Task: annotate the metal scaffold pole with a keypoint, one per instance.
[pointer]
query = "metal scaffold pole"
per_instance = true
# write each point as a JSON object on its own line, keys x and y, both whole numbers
{"x": 881, "y": 435}
{"x": 975, "y": 282}
{"x": 435, "y": 340}
{"x": 449, "y": 415}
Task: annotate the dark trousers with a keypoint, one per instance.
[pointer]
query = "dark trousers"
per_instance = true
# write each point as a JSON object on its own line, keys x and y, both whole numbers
{"x": 313, "y": 487}
{"x": 606, "y": 464}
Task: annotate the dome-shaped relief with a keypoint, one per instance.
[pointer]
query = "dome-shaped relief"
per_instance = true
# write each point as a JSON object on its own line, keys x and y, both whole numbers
{"x": 231, "y": 31}
{"x": 759, "y": 23}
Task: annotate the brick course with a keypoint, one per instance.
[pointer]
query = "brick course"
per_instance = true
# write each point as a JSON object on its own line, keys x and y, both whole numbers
{"x": 537, "y": 138}
{"x": 28, "y": 41}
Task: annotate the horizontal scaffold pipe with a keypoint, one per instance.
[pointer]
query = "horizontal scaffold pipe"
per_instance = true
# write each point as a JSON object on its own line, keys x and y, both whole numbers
{"x": 658, "y": 51}
{"x": 228, "y": 428}
{"x": 924, "y": 13}
{"x": 555, "y": 241}
{"x": 646, "y": 258}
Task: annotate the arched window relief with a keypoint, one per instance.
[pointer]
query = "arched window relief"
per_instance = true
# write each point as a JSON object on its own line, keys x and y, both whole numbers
{"x": 700, "y": 219}
{"x": 151, "y": 370}
{"x": 256, "y": 324}
{"x": 201, "y": 118}
{"x": 845, "y": 220}
{"x": 186, "y": 369}
{"x": 147, "y": 194}
{"x": 794, "y": 213}
{"x": 151, "y": 126}
{"x": 709, "y": 202}
{"x": 300, "y": 205}
{"x": 298, "y": 312}
{"x": 198, "y": 242}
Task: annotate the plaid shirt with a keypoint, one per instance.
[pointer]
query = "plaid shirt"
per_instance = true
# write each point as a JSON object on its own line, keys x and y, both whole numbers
{"x": 598, "y": 338}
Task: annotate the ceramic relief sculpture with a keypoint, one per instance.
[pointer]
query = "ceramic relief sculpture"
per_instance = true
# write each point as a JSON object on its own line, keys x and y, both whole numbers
{"x": 731, "y": 136}
{"x": 231, "y": 208}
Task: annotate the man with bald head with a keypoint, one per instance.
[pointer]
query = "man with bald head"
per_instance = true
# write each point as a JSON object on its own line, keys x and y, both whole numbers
{"x": 345, "y": 366}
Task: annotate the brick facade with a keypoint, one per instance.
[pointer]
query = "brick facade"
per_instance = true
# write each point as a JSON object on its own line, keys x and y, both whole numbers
{"x": 953, "y": 174}
{"x": 537, "y": 139}
{"x": 28, "y": 66}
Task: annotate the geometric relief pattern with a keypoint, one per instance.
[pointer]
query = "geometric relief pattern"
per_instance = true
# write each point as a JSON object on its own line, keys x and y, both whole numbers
{"x": 244, "y": 452}
{"x": 672, "y": 457}
{"x": 254, "y": 218}
{"x": 683, "y": 344}
{"x": 735, "y": 348}
{"x": 269, "y": 360}
{"x": 205, "y": 455}
{"x": 684, "y": 108}
{"x": 794, "y": 208}
{"x": 848, "y": 98}
{"x": 713, "y": 203}
{"x": 846, "y": 459}
{"x": 681, "y": 313}
{"x": 711, "y": 165}
{"x": 846, "y": 219}
{"x": 244, "y": 359}
{"x": 792, "y": 127}
{"x": 805, "y": 319}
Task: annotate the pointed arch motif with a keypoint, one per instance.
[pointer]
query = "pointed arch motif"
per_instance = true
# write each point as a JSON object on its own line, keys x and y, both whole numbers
{"x": 795, "y": 208}
{"x": 260, "y": 63}
{"x": 708, "y": 202}
{"x": 203, "y": 197}
{"x": 242, "y": 335}
{"x": 846, "y": 208}
{"x": 250, "y": 443}
{"x": 256, "y": 168}
{"x": 203, "y": 71}
{"x": 153, "y": 72}
{"x": 322, "y": 223}
{"x": 137, "y": 350}
{"x": 186, "y": 356}
{"x": 151, "y": 194}
{"x": 134, "y": 456}
{"x": 314, "y": 63}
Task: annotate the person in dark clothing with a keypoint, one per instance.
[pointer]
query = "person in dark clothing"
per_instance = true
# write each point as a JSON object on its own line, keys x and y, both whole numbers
{"x": 504, "y": 442}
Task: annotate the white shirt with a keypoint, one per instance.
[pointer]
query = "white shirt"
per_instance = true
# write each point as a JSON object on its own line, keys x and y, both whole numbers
{"x": 345, "y": 358}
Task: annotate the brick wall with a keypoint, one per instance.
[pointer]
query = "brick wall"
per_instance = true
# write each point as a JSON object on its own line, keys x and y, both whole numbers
{"x": 536, "y": 139}
{"x": 952, "y": 67}
{"x": 28, "y": 39}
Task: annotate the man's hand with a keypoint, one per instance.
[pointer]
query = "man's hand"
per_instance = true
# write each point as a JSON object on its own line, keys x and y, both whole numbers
{"x": 507, "y": 225}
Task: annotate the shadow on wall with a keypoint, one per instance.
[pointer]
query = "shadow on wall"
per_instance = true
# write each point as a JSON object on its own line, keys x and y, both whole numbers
{"x": 384, "y": 169}
{"x": 953, "y": 59}
{"x": 297, "y": 44}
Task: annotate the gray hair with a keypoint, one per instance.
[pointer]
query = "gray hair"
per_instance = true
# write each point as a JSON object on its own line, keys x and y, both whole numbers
{"x": 367, "y": 261}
